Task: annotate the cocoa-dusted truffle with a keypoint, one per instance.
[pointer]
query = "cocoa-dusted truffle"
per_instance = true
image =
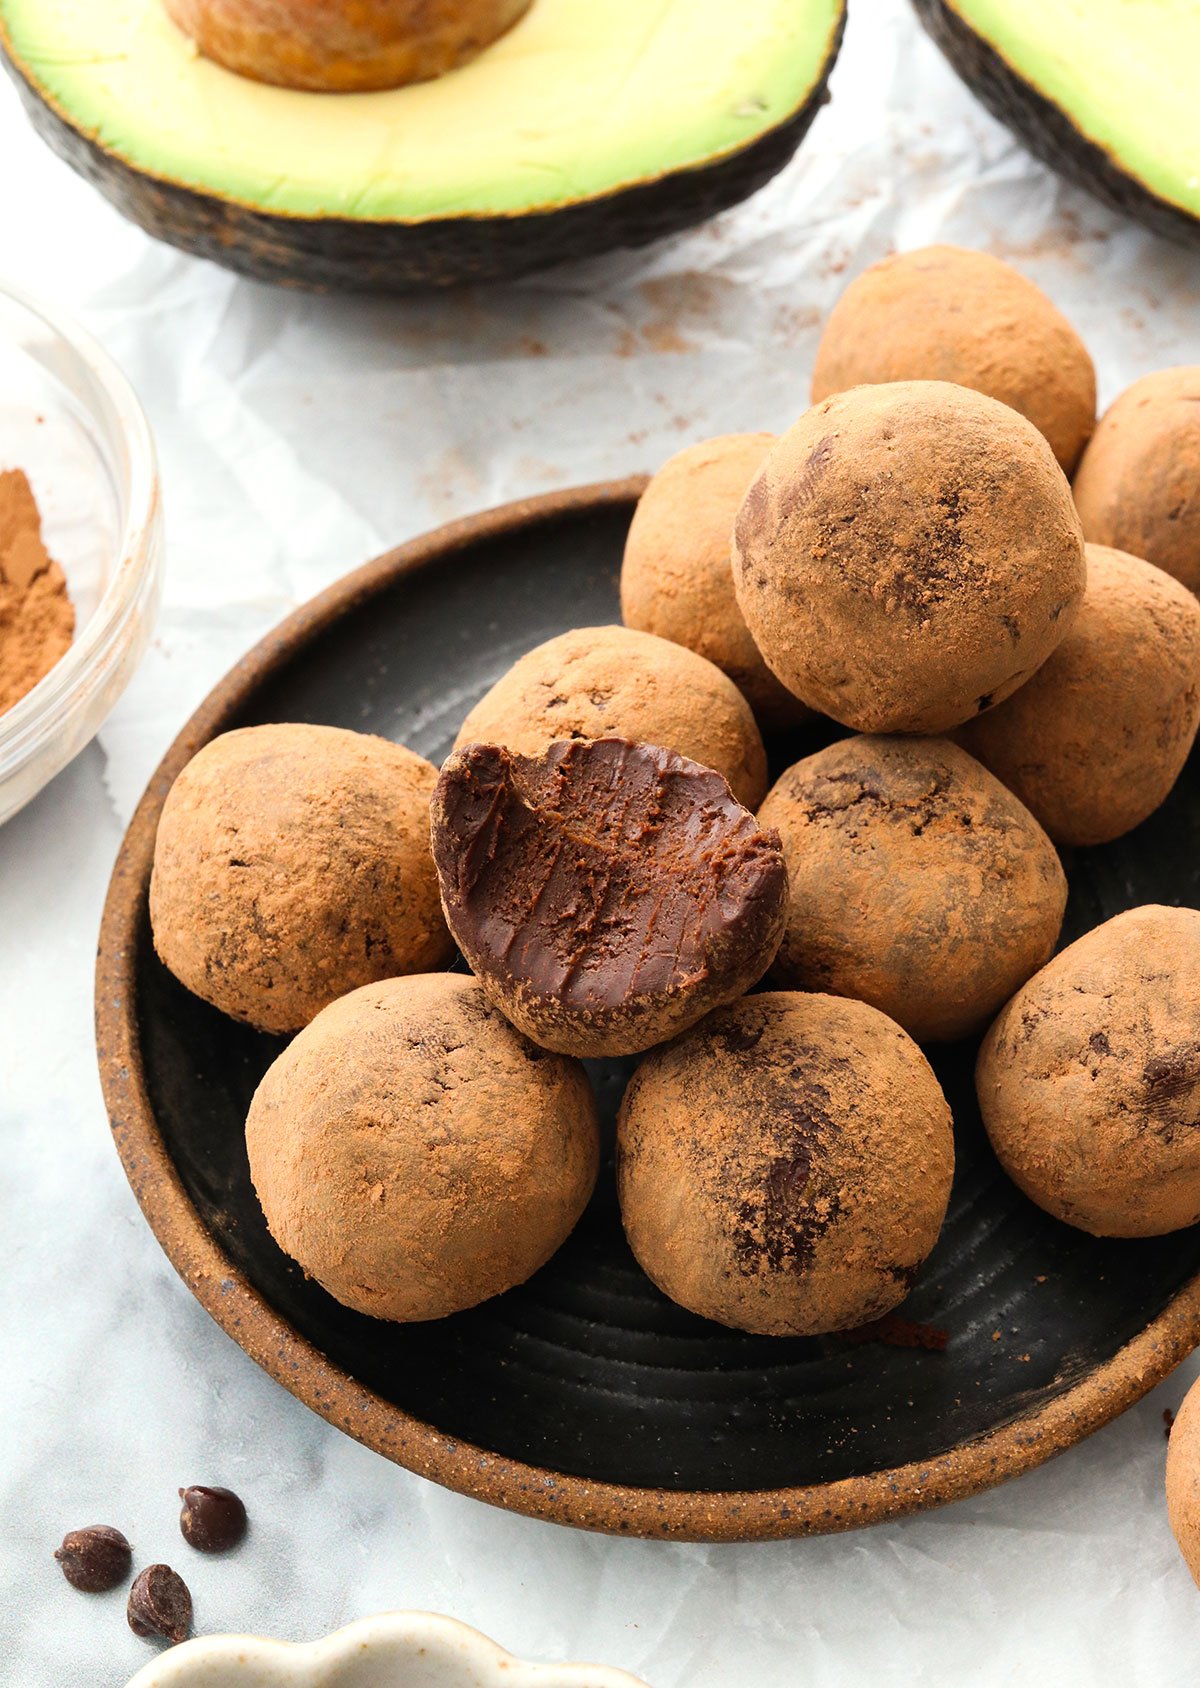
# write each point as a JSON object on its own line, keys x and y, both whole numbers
{"x": 415, "y": 1154}
{"x": 677, "y": 577}
{"x": 1089, "y": 1081}
{"x": 1183, "y": 1480}
{"x": 1095, "y": 741}
{"x": 917, "y": 883}
{"x": 908, "y": 556}
{"x": 597, "y": 682}
{"x": 785, "y": 1166}
{"x": 945, "y": 313}
{"x": 292, "y": 864}
{"x": 607, "y": 894}
{"x": 1138, "y": 486}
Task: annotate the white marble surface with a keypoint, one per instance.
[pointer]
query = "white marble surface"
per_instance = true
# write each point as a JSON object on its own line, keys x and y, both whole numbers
{"x": 298, "y": 437}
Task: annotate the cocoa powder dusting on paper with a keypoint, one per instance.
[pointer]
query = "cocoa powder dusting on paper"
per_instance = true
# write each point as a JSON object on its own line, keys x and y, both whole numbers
{"x": 37, "y": 621}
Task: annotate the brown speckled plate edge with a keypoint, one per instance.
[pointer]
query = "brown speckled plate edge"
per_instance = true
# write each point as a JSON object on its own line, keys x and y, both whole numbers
{"x": 696, "y": 1515}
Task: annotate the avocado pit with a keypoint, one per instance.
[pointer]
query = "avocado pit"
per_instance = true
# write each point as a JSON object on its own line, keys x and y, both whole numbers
{"x": 343, "y": 46}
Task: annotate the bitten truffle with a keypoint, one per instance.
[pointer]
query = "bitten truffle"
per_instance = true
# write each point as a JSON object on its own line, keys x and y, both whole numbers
{"x": 677, "y": 577}
{"x": 1138, "y": 486}
{"x": 607, "y": 894}
{"x": 1183, "y": 1480}
{"x": 415, "y": 1154}
{"x": 1089, "y": 1081}
{"x": 917, "y": 883}
{"x": 599, "y": 682}
{"x": 908, "y": 556}
{"x": 292, "y": 864}
{"x": 785, "y": 1166}
{"x": 1095, "y": 741}
{"x": 945, "y": 313}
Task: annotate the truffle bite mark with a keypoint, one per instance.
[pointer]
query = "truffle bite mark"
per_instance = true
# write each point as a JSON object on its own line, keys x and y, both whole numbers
{"x": 607, "y": 893}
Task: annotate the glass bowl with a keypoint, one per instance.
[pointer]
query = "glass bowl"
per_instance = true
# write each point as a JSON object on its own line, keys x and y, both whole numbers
{"x": 70, "y": 420}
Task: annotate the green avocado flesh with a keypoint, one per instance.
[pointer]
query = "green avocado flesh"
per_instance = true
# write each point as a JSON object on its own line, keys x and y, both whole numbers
{"x": 580, "y": 99}
{"x": 1124, "y": 72}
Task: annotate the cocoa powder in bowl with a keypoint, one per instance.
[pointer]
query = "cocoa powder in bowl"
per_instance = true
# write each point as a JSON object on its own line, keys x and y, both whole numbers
{"x": 785, "y": 1166}
{"x": 37, "y": 620}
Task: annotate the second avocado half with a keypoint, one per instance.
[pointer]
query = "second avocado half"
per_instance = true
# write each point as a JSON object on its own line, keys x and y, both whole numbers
{"x": 1103, "y": 91}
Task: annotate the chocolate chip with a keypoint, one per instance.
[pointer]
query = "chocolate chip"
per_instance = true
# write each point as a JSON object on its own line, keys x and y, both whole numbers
{"x": 95, "y": 1559}
{"x": 213, "y": 1520}
{"x": 159, "y": 1604}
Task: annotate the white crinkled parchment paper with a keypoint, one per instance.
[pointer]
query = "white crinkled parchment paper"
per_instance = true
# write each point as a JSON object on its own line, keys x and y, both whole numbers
{"x": 298, "y": 437}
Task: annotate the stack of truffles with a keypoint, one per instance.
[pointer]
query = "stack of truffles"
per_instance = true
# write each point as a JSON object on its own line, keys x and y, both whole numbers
{"x": 908, "y": 563}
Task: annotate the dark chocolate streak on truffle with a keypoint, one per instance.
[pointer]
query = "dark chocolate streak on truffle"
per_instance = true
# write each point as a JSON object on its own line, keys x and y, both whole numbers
{"x": 779, "y": 1230}
{"x": 601, "y": 871}
{"x": 1171, "y": 1073}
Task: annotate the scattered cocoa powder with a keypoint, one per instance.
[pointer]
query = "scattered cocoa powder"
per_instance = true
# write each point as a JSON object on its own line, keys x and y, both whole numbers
{"x": 37, "y": 621}
{"x": 894, "y": 1332}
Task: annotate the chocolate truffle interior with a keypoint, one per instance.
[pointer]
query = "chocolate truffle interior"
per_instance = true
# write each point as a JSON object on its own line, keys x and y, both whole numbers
{"x": 602, "y": 871}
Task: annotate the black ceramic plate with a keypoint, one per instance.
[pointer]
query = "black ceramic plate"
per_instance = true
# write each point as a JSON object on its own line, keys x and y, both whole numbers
{"x": 587, "y": 1373}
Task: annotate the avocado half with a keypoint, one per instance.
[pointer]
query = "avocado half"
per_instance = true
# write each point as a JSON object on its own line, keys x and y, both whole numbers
{"x": 1104, "y": 91}
{"x": 592, "y": 124}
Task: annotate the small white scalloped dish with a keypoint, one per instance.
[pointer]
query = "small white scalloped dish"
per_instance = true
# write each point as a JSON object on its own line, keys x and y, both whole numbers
{"x": 394, "y": 1650}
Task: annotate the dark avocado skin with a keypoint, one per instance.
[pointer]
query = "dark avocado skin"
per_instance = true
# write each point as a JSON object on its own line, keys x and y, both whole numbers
{"x": 331, "y": 254}
{"x": 1046, "y": 129}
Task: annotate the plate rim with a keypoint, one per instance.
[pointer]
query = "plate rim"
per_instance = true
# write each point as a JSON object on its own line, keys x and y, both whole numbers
{"x": 292, "y": 1360}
